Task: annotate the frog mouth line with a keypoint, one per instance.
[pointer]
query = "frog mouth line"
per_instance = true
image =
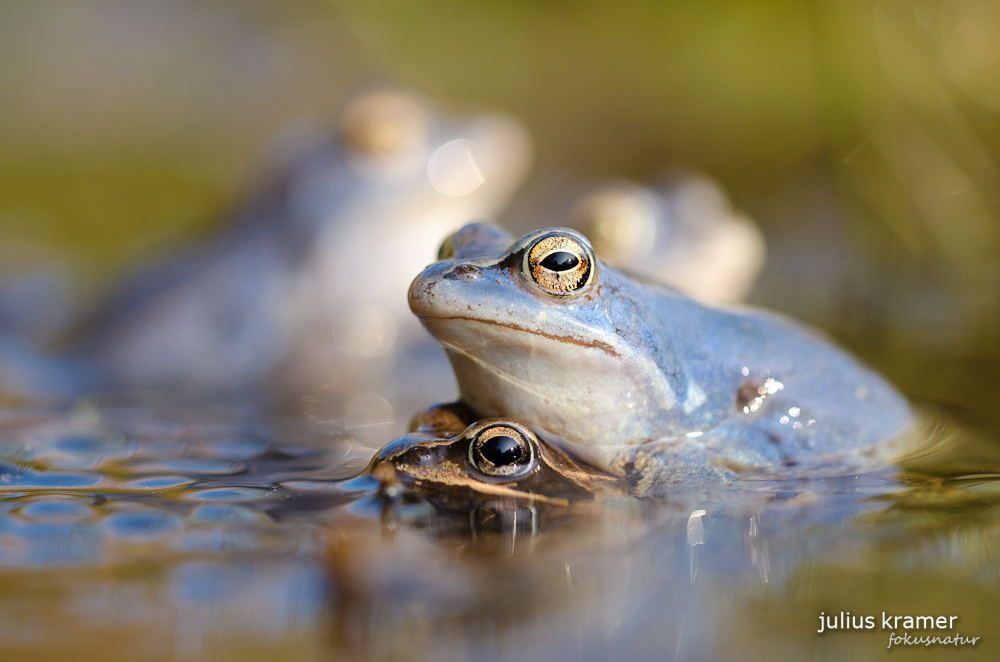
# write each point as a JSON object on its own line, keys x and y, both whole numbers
{"x": 499, "y": 491}
{"x": 593, "y": 344}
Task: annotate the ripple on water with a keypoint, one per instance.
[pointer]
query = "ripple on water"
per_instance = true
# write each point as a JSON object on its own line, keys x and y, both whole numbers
{"x": 70, "y": 496}
{"x": 141, "y": 524}
{"x": 79, "y": 451}
{"x": 226, "y": 512}
{"x": 159, "y": 482}
{"x": 314, "y": 486}
{"x": 230, "y": 494}
{"x": 231, "y": 539}
{"x": 188, "y": 466}
{"x": 56, "y": 508}
{"x": 29, "y": 479}
{"x": 236, "y": 449}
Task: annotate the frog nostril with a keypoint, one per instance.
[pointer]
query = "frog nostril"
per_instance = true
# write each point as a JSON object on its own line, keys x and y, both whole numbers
{"x": 464, "y": 272}
{"x": 418, "y": 454}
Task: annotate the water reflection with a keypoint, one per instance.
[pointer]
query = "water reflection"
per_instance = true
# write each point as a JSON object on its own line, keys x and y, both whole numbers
{"x": 218, "y": 539}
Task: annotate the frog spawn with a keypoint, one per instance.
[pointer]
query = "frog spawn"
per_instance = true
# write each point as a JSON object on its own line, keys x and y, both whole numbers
{"x": 81, "y": 492}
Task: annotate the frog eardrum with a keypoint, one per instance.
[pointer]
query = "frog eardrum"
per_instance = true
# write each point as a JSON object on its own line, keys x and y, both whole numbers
{"x": 502, "y": 451}
{"x": 560, "y": 263}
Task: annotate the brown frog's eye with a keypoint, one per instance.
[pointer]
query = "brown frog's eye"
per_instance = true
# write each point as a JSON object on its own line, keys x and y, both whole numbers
{"x": 502, "y": 451}
{"x": 560, "y": 263}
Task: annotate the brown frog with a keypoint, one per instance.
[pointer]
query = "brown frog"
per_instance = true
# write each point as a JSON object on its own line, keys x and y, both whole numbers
{"x": 493, "y": 457}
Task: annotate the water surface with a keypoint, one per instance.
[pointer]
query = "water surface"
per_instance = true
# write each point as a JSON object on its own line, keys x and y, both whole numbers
{"x": 141, "y": 534}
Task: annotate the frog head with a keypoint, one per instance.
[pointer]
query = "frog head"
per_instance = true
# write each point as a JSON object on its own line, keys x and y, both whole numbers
{"x": 495, "y": 458}
{"x": 539, "y": 330}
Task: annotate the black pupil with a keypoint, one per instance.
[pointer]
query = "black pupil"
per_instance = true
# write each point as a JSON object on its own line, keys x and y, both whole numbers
{"x": 502, "y": 450}
{"x": 560, "y": 261}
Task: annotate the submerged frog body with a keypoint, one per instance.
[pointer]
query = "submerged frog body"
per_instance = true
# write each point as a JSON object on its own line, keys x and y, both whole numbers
{"x": 306, "y": 283}
{"x": 637, "y": 377}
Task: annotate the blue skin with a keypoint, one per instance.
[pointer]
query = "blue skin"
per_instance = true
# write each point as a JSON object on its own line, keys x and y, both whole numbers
{"x": 626, "y": 369}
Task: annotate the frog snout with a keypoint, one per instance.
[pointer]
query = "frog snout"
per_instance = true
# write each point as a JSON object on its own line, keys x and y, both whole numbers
{"x": 450, "y": 291}
{"x": 421, "y": 290}
{"x": 395, "y": 449}
{"x": 426, "y": 287}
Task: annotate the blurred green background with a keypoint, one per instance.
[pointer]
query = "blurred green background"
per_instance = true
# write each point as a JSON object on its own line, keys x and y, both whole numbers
{"x": 863, "y": 136}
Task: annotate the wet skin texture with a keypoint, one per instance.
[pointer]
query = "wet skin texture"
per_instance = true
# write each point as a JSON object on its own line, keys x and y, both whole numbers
{"x": 639, "y": 378}
{"x": 495, "y": 458}
{"x": 491, "y": 479}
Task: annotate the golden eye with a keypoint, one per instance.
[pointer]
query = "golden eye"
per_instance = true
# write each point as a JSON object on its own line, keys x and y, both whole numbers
{"x": 502, "y": 451}
{"x": 560, "y": 263}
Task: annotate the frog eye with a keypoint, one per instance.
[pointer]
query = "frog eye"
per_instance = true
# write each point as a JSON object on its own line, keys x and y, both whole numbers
{"x": 560, "y": 263}
{"x": 502, "y": 451}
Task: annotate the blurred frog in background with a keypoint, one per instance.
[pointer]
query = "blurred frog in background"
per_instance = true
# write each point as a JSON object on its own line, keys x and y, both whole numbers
{"x": 680, "y": 230}
{"x": 305, "y": 285}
